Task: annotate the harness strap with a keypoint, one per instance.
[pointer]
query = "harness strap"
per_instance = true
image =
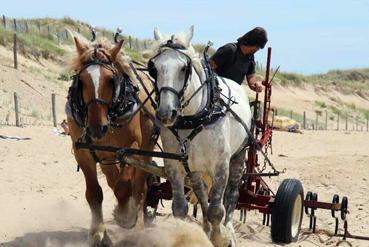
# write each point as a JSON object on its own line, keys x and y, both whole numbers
{"x": 92, "y": 151}
{"x": 143, "y": 85}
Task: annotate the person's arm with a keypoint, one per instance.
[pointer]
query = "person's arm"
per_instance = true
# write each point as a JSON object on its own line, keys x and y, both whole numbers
{"x": 251, "y": 78}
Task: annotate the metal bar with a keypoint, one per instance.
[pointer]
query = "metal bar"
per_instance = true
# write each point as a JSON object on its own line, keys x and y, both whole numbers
{"x": 262, "y": 209}
{"x": 349, "y": 235}
{"x": 322, "y": 205}
{"x": 267, "y": 174}
{"x": 267, "y": 92}
{"x": 151, "y": 167}
{"x": 129, "y": 151}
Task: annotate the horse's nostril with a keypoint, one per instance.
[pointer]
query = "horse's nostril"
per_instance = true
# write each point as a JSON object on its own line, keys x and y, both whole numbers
{"x": 174, "y": 114}
{"x": 104, "y": 129}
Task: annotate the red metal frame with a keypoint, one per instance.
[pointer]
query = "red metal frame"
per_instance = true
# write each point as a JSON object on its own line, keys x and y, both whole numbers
{"x": 249, "y": 196}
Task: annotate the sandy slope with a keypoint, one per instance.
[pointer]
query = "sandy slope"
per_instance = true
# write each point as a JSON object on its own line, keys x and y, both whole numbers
{"x": 42, "y": 195}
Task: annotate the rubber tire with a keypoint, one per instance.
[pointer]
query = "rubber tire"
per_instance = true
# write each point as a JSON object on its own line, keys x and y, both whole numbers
{"x": 282, "y": 210}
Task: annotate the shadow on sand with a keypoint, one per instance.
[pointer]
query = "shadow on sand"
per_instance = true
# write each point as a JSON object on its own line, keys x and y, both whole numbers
{"x": 50, "y": 239}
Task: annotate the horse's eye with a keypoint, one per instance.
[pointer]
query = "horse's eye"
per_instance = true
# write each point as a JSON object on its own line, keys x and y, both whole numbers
{"x": 183, "y": 68}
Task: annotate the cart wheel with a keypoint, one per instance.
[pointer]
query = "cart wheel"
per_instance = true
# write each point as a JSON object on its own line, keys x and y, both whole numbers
{"x": 287, "y": 211}
{"x": 336, "y": 199}
{"x": 308, "y": 198}
{"x": 344, "y": 205}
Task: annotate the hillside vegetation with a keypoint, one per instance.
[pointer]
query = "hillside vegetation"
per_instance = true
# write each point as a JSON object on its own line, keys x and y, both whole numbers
{"x": 344, "y": 92}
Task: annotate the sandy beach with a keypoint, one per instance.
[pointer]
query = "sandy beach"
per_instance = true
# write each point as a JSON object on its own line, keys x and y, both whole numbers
{"x": 43, "y": 204}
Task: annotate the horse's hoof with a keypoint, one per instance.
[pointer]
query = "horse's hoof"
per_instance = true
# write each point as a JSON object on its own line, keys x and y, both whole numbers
{"x": 223, "y": 237}
{"x": 123, "y": 219}
{"x": 99, "y": 239}
{"x": 106, "y": 241}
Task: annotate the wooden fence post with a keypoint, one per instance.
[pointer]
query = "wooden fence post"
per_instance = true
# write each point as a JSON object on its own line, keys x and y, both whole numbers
{"x": 130, "y": 42}
{"x": 137, "y": 45}
{"x": 4, "y": 21}
{"x": 58, "y": 36}
{"x": 15, "y": 24}
{"x": 48, "y": 29}
{"x": 304, "y": 121}
{"x": 15, "y": 51}
{"x": 66, "y": 34}
{"x": 39, "y": 27}
{"x": 291, "y": 113}
{"x": 346, "y": 126}
{"x": 16, "y": 107}
{"x": 26, "y": 24}
{"x": 338, "y": 121}
{"x": 326, "y": 120}
{"x": 316, "y": 121}
{"x": 53, "y": 107}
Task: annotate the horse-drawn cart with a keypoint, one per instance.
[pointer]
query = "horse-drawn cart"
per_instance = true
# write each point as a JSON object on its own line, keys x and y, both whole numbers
{"x": 283, "y": 209}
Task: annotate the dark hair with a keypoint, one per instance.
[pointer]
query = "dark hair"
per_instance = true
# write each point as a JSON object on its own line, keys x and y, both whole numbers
{"x": 256, "y": 37}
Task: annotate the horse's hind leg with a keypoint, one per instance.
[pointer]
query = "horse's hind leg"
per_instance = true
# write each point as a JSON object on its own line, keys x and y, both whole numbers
{"x": 232, "y": 193}
{"x": 200, "y": 189}
{"x": 216, "y": 208}
{"x": 94, "y": 197}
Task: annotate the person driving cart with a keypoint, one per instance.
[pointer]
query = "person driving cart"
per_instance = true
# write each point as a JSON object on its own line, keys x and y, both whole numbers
{"x": 236, "y": 61}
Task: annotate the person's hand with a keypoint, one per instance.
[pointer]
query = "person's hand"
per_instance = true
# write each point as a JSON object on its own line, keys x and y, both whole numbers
{"x": 257, "y": 87}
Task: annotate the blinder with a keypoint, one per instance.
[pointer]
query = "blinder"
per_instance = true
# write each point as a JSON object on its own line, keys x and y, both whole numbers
{"x": 124, "y": 96}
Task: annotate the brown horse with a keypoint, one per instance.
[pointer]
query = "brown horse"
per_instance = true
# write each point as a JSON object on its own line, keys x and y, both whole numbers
{"x": 96, "y": 113}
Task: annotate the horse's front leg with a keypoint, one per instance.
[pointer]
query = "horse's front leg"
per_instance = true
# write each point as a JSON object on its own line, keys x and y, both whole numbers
{"x": 94, "y": 197}
{"x": 216, "y": 208}
{"x": 130, "y": 191}
{"x": 200, "y": 189}
{"x": 176, "y": 177}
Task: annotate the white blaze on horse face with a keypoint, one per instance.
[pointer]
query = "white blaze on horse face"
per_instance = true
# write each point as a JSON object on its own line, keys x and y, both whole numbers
{"x": 94, "y": 71}
{"x": 171, "y": 74}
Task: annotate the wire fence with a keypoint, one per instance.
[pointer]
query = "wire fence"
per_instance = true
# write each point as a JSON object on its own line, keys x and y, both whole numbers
{"x": 59, "y": 33}
{"x": 325, "y": 120}
{"x": 20, "y": 111}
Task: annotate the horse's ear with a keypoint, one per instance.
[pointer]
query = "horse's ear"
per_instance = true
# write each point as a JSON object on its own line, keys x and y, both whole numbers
{"x": 157, "y": 34}
{"x": 81, "y": 47}
{"x": 189, "y": 35}
{"x": 115, "y": 50}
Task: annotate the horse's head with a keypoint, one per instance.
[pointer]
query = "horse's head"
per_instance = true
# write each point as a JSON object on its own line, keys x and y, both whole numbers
{"x": 171, "y": 68}
{"x": 96, "y": 84}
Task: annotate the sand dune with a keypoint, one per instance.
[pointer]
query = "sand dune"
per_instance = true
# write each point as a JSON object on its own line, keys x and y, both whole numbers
{"x": 42, "y": 195}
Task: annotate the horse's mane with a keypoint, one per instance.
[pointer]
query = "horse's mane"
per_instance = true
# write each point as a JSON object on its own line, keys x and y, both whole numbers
{"x": 121, "y": 62}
